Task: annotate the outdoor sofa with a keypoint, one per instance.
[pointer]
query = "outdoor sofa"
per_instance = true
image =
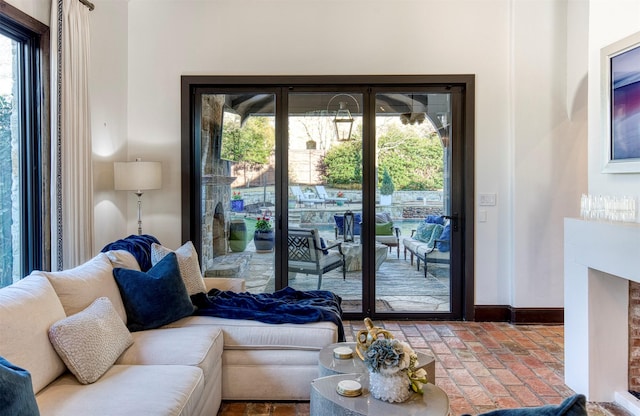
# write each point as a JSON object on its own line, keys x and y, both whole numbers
{"x": 429, "y": 243}
{"x": 67, "y": 330}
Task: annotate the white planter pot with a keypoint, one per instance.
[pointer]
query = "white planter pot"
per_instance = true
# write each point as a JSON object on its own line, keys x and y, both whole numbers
{"x": 385, "y": 200}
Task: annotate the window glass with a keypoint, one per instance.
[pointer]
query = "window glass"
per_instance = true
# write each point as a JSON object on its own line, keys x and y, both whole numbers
{"x": 20, "y": 168}
{"x": 10, "y": 204}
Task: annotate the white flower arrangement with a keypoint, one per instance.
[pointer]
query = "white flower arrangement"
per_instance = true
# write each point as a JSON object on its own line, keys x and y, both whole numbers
{"x": 390, "y": 356}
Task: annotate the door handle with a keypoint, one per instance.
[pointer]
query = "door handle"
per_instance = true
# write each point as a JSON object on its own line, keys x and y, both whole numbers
{"x": 454, "y": 220}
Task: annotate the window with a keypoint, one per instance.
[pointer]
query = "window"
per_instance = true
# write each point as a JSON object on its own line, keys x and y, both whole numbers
{"x": 21, "y": 145}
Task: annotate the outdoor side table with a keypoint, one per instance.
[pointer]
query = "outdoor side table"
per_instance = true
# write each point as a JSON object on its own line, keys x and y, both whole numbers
{"x": 329, "y": 365}
{"x": 325, "y": 400}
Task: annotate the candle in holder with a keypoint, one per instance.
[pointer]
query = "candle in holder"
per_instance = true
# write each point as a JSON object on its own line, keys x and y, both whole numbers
{"x": 343, "y": 353}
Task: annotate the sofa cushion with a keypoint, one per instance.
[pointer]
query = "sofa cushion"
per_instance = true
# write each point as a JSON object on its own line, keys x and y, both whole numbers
{"x": 16, "y": 391}
{"x": 188, "y": 263}
{"x": 78, "y": 287}
{"x": 122, "y": 258}
{"x": 159, "y": 390}
{"x": 156, "y": 297}
{"x": 197, "y": 345}
{"x": 255, "y": 335}
{"x": 31, "y": 303}
{"x": 90, "y": 341}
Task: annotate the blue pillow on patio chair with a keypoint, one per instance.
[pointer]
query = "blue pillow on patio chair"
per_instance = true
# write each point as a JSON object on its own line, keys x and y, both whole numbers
{"x": 443, "y": 243}
{"x": 339, "y": 219}
{"x": 434, "y": 219}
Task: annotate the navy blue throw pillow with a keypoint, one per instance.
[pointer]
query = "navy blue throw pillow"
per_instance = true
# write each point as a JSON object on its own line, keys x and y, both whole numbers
{"x": 16, "y": 391}
{"x": 155, "y": 298}
{"x": 571, "y": 406}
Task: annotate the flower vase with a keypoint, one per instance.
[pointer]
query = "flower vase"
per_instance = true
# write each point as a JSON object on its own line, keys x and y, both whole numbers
{"x": 392, "y": 388}
{"x": 264, "y": 240}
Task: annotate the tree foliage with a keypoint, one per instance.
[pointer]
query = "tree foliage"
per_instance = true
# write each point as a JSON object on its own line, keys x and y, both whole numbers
{"x": 6, "y": 185}
{"x": 413, "y": 161}
{"x": 249, "y": 145}
{"x": 342, "y": 165}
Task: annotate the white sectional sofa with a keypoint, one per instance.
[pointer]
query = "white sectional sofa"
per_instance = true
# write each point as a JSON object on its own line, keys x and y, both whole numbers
{"x": 184, "y": 368}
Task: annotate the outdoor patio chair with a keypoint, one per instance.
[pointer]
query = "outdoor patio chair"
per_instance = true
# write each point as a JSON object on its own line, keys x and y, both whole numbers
{"x": 306, "y": 254}
{"x": 339, "y": 228}
{"x": 386, "y": 233}
{"x": 302, "y": 198}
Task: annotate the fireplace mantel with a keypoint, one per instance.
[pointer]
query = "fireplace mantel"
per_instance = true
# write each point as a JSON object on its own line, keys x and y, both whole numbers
{"x": 599, "y": 259}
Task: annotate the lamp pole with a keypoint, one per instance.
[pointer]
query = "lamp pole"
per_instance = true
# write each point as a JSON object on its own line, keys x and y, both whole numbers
{"x": 139, "y": 194}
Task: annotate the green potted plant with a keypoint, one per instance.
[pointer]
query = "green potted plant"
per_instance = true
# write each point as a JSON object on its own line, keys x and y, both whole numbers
{"x": 263, "y": 236}
{"x": 386, "y": 188}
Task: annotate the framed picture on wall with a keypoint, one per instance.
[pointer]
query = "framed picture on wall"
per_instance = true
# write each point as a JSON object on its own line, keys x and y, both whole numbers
{"x": 621, "y": 105}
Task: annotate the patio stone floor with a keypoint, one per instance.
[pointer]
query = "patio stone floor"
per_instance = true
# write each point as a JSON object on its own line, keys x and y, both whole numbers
{"x": 399, "y": 285}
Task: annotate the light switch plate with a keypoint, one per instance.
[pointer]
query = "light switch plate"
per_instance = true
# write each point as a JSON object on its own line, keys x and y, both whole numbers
{"x": 487, "y": 200}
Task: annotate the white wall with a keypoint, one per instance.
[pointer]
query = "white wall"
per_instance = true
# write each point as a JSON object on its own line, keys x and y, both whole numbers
{"x": 38, "y": 9}
{"x": 609, "y": 21}
{"x": 528, "y": 148}
{"x": 108, "y": 92}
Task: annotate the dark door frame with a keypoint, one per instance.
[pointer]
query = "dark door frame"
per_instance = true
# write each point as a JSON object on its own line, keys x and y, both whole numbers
{"x": 464, "y": 125}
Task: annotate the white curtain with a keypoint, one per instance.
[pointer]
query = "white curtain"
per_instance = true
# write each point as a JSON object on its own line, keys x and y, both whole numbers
{"x": 72, "y": 187}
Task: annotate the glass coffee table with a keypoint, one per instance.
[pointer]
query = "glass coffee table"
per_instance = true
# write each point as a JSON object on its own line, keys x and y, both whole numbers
{"x": 329, "y": 365}
{"x": 325, "y": 400}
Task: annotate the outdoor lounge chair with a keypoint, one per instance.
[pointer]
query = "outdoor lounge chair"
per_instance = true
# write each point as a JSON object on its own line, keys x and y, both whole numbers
{"x": 302, "y": 198}
{"x": 306, "y": 254}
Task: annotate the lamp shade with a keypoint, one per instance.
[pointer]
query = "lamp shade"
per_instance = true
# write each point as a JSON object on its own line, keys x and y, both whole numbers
{"x": 137, "y": 176}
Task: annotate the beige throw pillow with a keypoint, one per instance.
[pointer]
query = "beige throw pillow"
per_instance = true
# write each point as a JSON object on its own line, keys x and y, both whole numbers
{"x": 90, "y": 341}
{"x": 187, "y": 262}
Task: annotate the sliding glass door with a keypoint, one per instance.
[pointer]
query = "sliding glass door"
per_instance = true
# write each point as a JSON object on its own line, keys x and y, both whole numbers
{"x": 324, "y": 186}
{"x": 412, "y": 231}
{"x": 356, "y": 188}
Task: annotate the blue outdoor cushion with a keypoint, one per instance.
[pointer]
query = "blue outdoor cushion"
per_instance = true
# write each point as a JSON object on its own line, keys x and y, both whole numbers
{"x": 434, "y": 219}
{"x": 444, "y": 244}
{"x": 155, "y": 298}
{"x": 575, "y": 405}
{"x": 16, "y": 391}
{"x": 428, "y": 232}
{"x": 357, "y": 219}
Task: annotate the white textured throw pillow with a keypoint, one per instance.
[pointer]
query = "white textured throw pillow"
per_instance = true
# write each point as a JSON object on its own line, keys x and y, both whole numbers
{"x": 90, "y": 341}
{"x": 187, "y": 262}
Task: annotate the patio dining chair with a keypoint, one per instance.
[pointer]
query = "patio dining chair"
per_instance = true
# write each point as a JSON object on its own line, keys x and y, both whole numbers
{"x": 306, "y": 254}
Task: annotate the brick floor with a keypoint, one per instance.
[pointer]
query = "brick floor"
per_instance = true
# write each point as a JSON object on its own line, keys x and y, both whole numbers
{"x": 480, "y": 365}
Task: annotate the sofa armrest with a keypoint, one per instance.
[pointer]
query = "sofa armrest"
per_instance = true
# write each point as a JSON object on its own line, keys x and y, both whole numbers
{"x": 225, "y": 283}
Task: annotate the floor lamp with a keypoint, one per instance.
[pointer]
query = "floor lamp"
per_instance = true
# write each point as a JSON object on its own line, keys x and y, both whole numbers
{"x": 137, "y": 176}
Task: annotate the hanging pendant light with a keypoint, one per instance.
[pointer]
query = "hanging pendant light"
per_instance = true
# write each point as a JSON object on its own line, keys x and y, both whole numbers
{"x": 343, "y": 120}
